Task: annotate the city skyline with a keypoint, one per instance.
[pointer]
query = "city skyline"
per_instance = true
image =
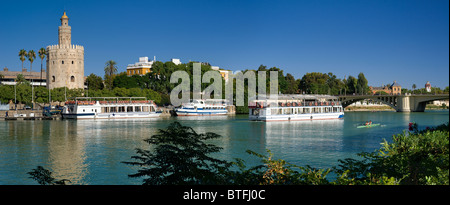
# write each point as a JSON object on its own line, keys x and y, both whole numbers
{"x": 405, "y": 41}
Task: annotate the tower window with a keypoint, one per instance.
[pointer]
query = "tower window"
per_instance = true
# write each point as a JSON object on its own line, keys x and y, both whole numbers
{"x": 72, "y": 62}
{"x": 53, "y": 78}
{"x": 62, "y": 62}
{"x": 72, "y": 78}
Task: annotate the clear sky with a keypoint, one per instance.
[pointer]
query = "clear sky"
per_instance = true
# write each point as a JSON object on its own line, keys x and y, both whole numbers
{"x": 387, "y": 40}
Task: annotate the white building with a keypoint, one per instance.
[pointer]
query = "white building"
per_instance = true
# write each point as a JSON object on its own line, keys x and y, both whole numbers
{"x": 176, "y": 61}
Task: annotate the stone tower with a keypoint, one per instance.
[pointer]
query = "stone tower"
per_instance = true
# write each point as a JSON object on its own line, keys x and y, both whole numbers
{"x": 65, "y": 62}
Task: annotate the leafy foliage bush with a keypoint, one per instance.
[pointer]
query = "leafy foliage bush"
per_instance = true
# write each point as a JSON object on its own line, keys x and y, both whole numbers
{"x": 44, "y": 177}
{"x": 180, "y": 158}
{"x": 412, "y": 158}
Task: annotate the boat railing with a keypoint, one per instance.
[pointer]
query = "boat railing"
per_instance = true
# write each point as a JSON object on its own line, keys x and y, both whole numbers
{"x": 263, "y": 104}
{"x": 88, "y": 102}
{"x": 125, "y": 101}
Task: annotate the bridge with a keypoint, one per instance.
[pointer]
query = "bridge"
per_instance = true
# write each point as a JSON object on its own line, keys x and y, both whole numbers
{"x": 401, "y": 103}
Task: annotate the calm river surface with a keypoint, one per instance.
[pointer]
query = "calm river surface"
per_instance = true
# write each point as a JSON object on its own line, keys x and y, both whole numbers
{"x": 91, "y": 151}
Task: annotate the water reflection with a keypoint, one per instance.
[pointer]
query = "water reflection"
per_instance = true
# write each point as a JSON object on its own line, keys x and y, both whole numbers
{"x": 67, "y": 154}
{"x": 299, "y": 141}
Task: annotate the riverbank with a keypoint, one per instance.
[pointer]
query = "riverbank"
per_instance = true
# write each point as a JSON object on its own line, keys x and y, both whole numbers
{"x": 352, "y": 108}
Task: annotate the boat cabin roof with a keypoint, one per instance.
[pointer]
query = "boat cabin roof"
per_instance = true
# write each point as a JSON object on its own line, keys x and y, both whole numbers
{"x": 108, "y": 98}
{"x": 291, "y": 97}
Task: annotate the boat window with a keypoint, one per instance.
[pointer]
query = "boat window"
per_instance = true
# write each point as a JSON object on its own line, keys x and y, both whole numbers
{"x": 137, "y": 108}
{"x": 288, "y": 111}
{"x": 130, "y": 109}
{"x": 83, "y": 110}
{"x": 273, "y": 111}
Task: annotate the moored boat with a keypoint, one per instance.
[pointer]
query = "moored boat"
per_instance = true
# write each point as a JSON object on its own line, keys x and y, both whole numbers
{"x": 296, "y": 108}
{"x": 109, "y": 108}
{"x": 203, "y": 107}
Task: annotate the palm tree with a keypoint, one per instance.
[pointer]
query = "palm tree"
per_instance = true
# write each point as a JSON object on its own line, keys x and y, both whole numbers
{"x": 414, "y": 87}
{"x": 110, "y": 71}
{"x": 22, "y": 54}
{"x": 42, "y": 52}
{"x": 31, "y": 57}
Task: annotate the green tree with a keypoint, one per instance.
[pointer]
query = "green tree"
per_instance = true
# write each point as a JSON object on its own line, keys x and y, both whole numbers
{"x": 122, "y": 80}
{"x": 110, "y": 72}
{"x": 179, "y": 157}
{"x": 136, "y": 92}
{"x": 291, "y": 84}
{"x": 41, "y": 94}
{"x": 6, "y": 93}
{"x": 31, "y": 57}
{"x": 282, "y": 83}
{"x": 94, "y": 82}
{"x": 42, "y": 53}
{"x": 334, "y": 84}
{"x": 352, "y": 83}
{"x": 23, "y": 93}
{"x": 20, "y": 79}
{"x": 362, "y": 84}
{"x": 120, "y": 92}
{"x": 22, "y": 54}
{"x": 59, "y": 94}
{"x": 314, "y": 83}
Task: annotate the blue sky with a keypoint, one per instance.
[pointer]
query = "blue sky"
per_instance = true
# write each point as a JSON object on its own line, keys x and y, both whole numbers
{"x": 406, "y": 41}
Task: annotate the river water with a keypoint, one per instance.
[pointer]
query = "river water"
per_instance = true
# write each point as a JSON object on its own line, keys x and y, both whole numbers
{"x": 91, "y": 151}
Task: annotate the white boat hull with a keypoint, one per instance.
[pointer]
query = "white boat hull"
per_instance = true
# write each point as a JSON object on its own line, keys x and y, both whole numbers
{"x": 188, "y": 112}
{"x": 110, "y": 115}
{"x": 298, "y": 117}
{"x": 109, "y": 108}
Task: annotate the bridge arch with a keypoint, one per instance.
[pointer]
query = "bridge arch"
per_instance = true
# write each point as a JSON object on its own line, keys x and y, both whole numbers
{"x": 401, "y": 103}
{"x": 391, "y": 101}
{"x": 419, "y": 103}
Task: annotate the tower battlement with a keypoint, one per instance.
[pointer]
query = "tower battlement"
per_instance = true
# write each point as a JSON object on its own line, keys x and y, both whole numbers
{"x": 57, "y": 46}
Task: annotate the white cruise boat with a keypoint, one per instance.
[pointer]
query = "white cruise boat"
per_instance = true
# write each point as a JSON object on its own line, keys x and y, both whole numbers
{"x": 109, "y": 108}
{"x": 296, "y": 108}
{"x": 203, "y": 107}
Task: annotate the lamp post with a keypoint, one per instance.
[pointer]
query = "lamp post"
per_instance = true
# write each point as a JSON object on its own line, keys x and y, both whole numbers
{"x": 32, "y": 95}
{"x": 15, "y": 98}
